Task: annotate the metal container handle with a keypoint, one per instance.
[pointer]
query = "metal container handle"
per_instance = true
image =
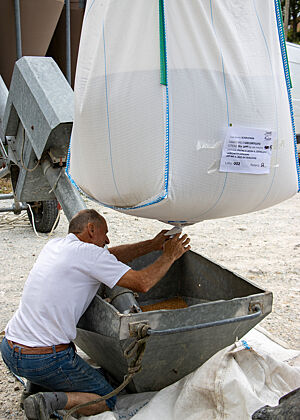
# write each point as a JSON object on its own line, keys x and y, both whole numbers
{"x": 256, "y": 314}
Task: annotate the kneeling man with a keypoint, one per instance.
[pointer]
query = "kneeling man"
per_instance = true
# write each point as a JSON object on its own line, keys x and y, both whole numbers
{"x": 38, "y": 343}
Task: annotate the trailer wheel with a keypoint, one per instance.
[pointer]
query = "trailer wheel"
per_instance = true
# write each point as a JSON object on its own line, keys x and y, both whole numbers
{"x": 45, "y": 214}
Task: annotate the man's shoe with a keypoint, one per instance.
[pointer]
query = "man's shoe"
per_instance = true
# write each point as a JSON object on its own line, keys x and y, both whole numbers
{"x": 36, "y": 407}
{"x": 30, "y": 389}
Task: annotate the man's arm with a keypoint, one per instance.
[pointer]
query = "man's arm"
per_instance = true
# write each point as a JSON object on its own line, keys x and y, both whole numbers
{"x": 126, "y": 253}
{"x": 143, "y": 280}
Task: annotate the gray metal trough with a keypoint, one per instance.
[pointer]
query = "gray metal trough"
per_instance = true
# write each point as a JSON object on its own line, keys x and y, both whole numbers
{"x": 221, "y": 307}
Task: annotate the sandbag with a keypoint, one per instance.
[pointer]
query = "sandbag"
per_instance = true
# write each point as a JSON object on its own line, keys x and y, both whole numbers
{"x": 182, "y": 108}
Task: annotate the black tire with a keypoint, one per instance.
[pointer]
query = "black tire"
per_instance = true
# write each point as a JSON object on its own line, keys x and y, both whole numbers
{"x": 45, "y": 214}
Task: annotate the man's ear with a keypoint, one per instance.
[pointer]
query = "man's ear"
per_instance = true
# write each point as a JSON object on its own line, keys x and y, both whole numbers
{"x": 90, "y": 229}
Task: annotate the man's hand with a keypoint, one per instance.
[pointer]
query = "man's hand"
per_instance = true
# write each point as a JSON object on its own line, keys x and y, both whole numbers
{"x": 159, "y": 240}
{"x": 143, "y": 280}
{"x": 126, "y": 253}
{"x": 175, "y": 247}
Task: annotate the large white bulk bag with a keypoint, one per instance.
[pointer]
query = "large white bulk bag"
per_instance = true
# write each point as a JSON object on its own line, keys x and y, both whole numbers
{"x": 164, "y": 89}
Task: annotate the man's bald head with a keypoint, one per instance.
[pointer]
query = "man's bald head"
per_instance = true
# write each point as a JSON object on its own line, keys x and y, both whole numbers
{"x": 79, "y": 222}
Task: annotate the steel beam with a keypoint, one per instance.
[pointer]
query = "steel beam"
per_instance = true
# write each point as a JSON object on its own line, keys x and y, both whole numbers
{"x": 6, "y": 196}
{"x": 18, "y": 29}
{"x": 13, "y": 208}
{"x": 68, "y": 41}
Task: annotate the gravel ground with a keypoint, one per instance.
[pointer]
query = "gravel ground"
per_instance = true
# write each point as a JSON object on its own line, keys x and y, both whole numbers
{"x": 264, "y": 247}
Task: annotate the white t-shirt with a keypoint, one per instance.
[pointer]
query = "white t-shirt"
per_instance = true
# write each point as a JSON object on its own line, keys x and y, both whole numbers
{"x": 59, "y": 288}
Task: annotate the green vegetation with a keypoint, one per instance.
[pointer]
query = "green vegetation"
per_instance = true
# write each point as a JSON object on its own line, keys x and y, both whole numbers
{"x": 294, "y": 20}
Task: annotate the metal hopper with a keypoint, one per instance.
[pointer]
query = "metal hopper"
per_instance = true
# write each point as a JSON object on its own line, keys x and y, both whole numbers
{"x": 221, "y": 306}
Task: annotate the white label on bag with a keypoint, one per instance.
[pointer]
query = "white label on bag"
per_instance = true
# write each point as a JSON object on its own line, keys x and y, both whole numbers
{"x": 247, "y": 150}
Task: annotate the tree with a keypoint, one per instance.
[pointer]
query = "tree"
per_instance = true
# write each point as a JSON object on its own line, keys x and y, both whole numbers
{"x": 293, "y": 20}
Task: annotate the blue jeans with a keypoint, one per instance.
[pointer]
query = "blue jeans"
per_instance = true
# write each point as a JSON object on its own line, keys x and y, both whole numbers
{"x": 62, "y": 371}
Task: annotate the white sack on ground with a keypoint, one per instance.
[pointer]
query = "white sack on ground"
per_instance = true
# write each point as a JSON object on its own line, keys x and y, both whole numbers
{"x": 154, "y": 150}
{"x": 232, "y": 384}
